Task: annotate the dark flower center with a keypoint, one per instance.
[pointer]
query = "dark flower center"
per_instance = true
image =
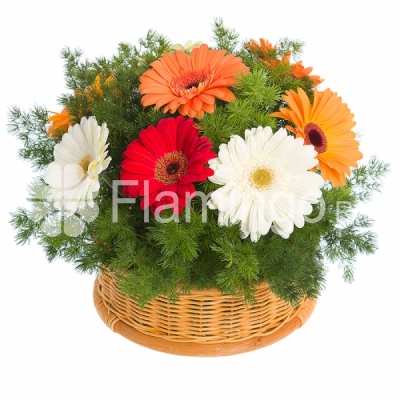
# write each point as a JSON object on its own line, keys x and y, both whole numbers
{"x": 315, "y": 136}
{"x": 170, "y": 168}
{"x": 189, "y": 80}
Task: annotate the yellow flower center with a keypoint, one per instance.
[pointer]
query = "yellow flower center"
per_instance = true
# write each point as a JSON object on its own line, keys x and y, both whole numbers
{"x": 171, "y": 167}
{"x": 262, "y": 177}
{"x": 84, "y": 163}
{"x": 315, "y": 136}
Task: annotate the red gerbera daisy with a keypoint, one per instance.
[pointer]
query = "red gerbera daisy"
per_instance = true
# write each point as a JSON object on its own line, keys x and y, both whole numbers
{"x": 165, "y": 160}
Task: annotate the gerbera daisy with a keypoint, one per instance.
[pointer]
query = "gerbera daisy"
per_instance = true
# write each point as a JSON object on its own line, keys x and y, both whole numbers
{"x": 299, "y": 71}
{"x": 165, "y": 160}
{"x": 267, "y": 53}
{"x": 264, "y": 50}
{"x": 267, "y": 182}
{"x": 190, "y": 83}
{"x": 187, "y": 47}
{"x": 78, "y": 160}
{"x": 326, "y": 124}
{"x": 60, "y": 122}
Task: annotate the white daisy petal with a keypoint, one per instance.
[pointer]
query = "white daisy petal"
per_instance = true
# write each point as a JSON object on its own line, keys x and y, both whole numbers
{"x": 222, "y": 174}
{"x": 106, "y": 163}
{"x": 53, "y": 174}
{"x": 78, "y": 160}
{"x": 226, "y": 159}
{"x": 266, "y": 182}
{"x": 240, "y": 149}
{"x": 252, "y": 144}
{"x": 71, "y": 142}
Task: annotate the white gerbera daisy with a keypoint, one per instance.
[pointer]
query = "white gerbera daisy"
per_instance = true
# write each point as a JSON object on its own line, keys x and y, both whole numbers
{"x": 187, "y": 47}
{"x": 267, "y": 182}
{"x": 78, "y": 160}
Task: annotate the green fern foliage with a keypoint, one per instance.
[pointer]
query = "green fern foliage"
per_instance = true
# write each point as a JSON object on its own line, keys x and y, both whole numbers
{"x": 178, "y": 253}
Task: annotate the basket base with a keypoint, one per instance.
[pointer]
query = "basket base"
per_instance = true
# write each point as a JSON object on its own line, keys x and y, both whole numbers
{"x": 198, "y": 349}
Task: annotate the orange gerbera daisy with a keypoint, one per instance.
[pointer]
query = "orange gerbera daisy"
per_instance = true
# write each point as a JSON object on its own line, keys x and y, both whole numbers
{"x": 299, "y": 71}
{"x": 264, "y": 50}
{"x": 190, "y": 83}
{"x": 60, "y": 123}
{"x": 326, "y": 124}
{"x": 267, "y": 55}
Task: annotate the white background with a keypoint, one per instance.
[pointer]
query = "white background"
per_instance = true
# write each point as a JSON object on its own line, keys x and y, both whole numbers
{"x": 53, "y": 345}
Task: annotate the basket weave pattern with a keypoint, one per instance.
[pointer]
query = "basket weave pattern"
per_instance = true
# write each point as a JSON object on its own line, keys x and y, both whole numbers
{"x": 201, "y": 317}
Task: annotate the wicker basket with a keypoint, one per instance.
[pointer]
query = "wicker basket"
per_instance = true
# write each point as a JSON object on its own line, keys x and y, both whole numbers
{"x": 202, "y": 323}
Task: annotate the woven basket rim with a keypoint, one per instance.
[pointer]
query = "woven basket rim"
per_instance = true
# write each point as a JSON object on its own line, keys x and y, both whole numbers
{"x": 202, "y": 322}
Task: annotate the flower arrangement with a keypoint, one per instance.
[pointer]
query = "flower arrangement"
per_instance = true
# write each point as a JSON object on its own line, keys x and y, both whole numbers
{"x": 180, "y": 167}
